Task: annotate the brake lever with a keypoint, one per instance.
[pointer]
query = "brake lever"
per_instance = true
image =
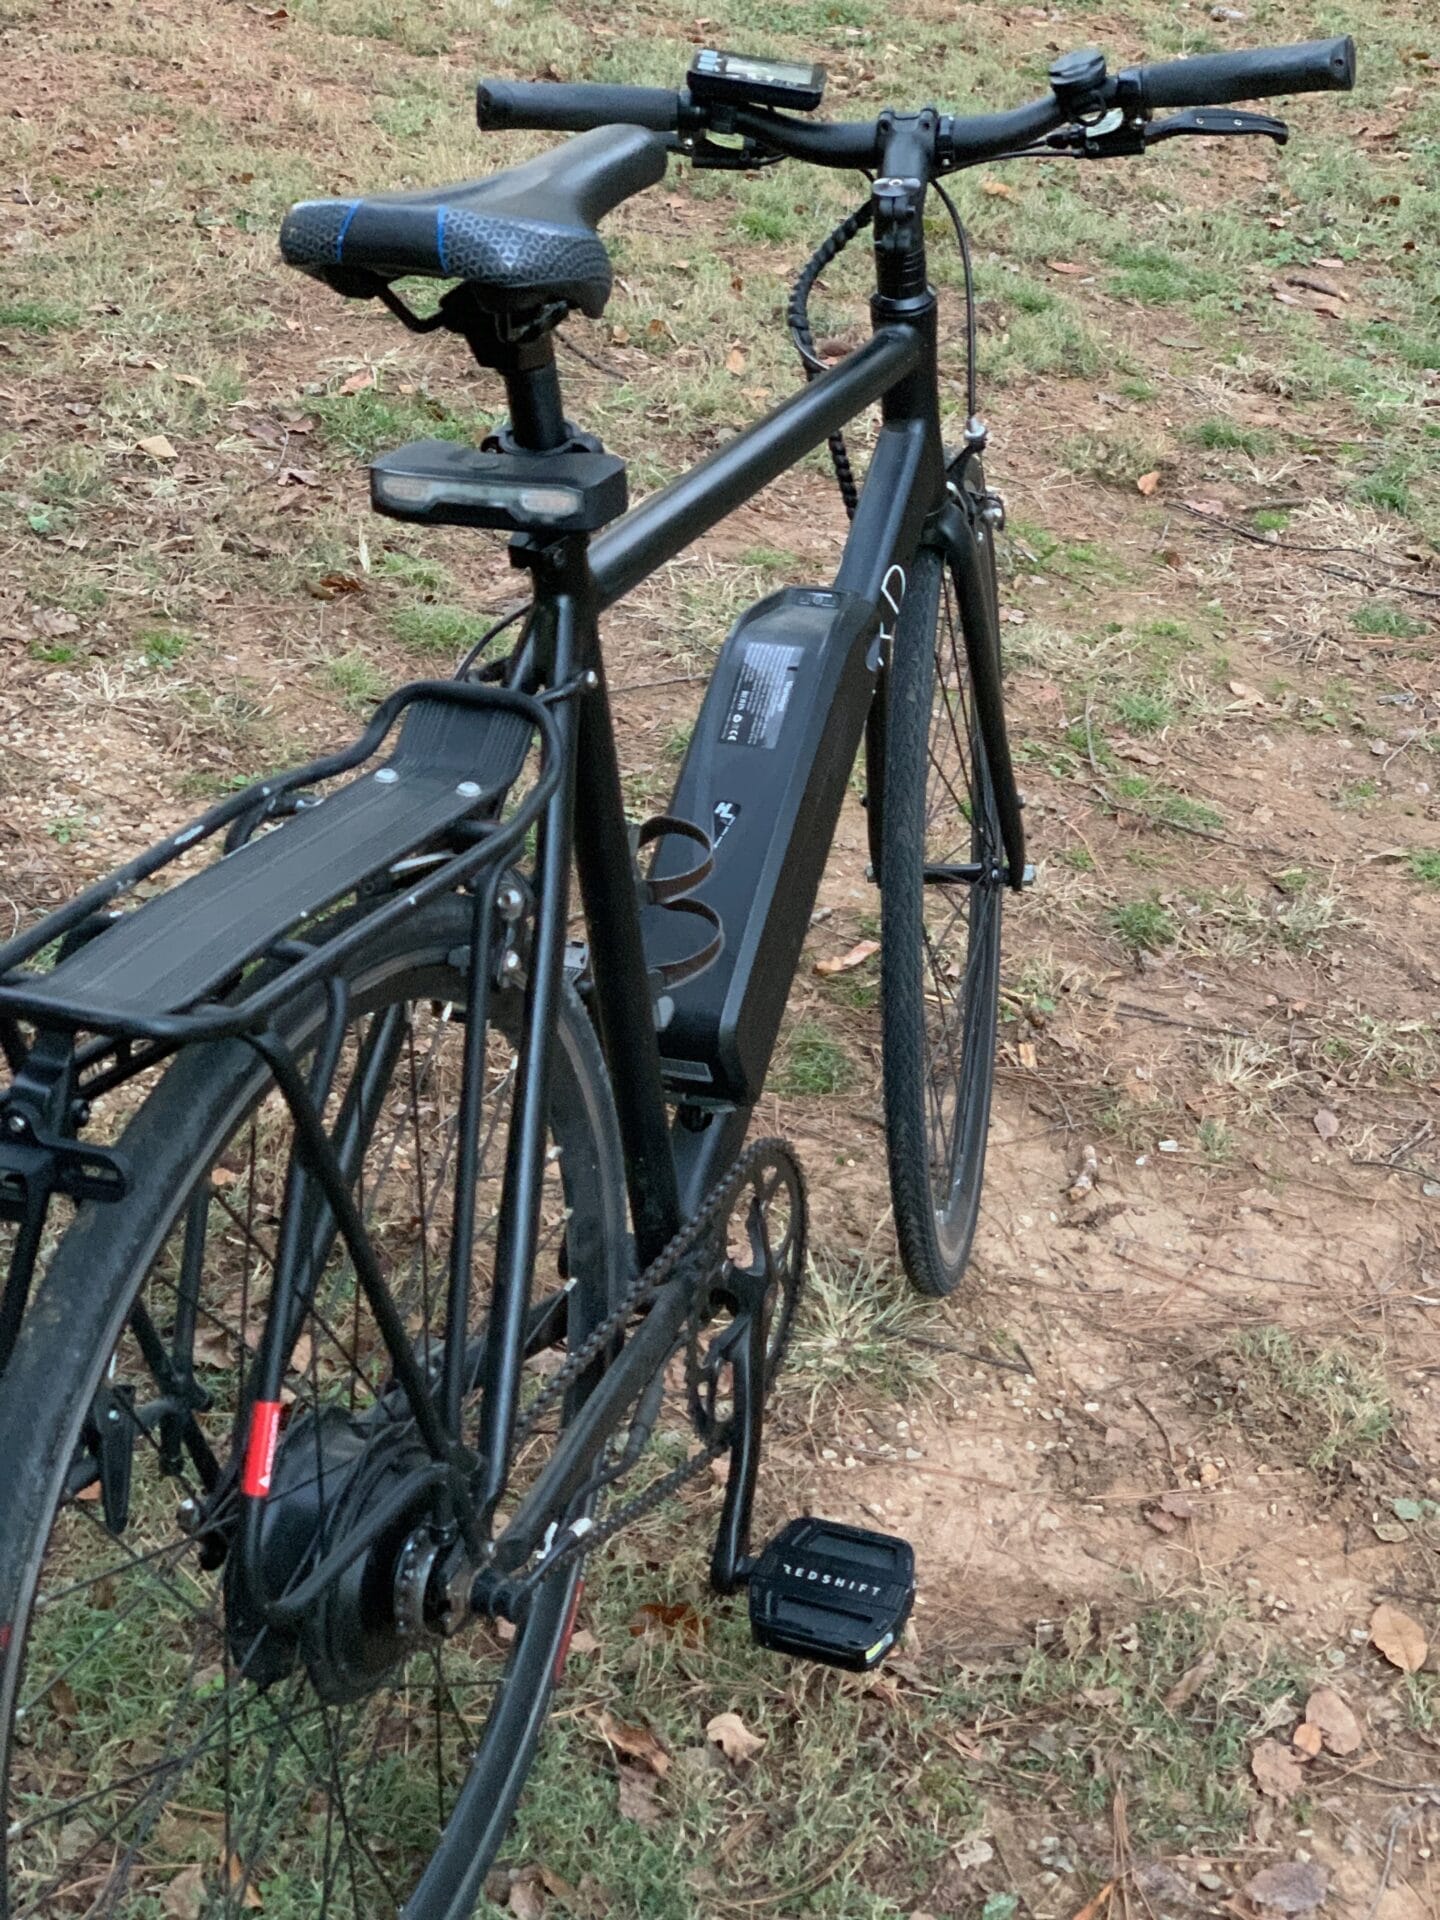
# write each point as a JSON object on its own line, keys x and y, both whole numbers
{"x": 1117, "y": 134}
{"x": 1217, "y": 120}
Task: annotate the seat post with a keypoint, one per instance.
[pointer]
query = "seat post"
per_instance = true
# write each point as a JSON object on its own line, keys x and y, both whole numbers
{"x": 537, "y": 414}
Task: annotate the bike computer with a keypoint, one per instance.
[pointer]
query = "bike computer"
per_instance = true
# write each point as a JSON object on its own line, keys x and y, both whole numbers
{"x": 737, "y": 80}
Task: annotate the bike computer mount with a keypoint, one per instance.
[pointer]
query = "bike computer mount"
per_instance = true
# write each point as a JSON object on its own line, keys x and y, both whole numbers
{"x": 738, "y": 80}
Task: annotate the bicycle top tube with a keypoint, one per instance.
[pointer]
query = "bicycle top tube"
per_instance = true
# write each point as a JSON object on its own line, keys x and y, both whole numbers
{"x": 1080, "y": 90}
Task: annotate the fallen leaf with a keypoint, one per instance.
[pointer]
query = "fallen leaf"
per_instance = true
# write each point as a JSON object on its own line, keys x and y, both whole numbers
{"x": 1180, "y": 1504}
{"x": 1161, "y": 1521}
{"x": 561, "y": 1888}
{"x": 299, "y": 477}
{"x": 1242, "y": 690}
{"x": 998, "y": 189}
{"x": 1326, "y": 1124}
{"x": 1337, "y": 1724}
{"x": 190, "y": 380}
{"x": 1027, "y": 1055}
{"x": 636, "y": 1743}
{"x": 1147, "y": 483}
{"x": 357, "y": 382}
{"x": 1307, "y": 1739}
{"x": 1276, "y": 1770}
{"x": 1401, "y": 1639}
{"x": 846, "y": 962}
{"x": 1190, "y": 1682}
{"x": 239, "y": 1878}
{"x": 157, "y": 446}
{"x": 662, "y": 1616}
{"x": 639, "y": 1800}
{"x": 1391, "y": 1531}
{"x": 582, "y": 1641}
{"x": 527, "y": 1895}
{"x": 1142, "y": 755}
{"x": 184, "y": 1898}
{"x": 735, "y": 361}
{"x": 733, "y": 1737}
{"x": 331, "y": 585}
{"x": 1065, "y": 266}
{"x": 1291, "y": 1886}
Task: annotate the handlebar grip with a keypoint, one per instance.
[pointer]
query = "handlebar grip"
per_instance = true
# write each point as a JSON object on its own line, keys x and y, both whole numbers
{"x": 1215, "y": 79}
{"x": 554, "y": 107}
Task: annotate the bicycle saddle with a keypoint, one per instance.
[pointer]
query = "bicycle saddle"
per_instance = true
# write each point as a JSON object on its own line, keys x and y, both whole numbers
{"x": 520, "y": 239}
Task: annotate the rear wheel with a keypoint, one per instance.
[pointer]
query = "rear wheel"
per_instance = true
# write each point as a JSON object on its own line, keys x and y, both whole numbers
{"x": 157, "y": 1754}
{"x": 940, "y": 936}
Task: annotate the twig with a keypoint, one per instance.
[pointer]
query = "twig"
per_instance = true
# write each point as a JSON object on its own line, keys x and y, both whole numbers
{"x": 599, "y": 365}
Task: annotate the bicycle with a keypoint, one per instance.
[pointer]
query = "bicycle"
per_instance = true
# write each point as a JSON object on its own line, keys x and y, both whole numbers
{"x": 360, "y": 1207}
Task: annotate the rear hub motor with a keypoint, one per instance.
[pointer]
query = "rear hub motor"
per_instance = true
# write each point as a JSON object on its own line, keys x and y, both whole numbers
{"x": 405, "y": 1590}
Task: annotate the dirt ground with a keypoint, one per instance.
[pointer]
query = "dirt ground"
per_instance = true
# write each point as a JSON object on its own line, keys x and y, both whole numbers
{"x": 1195, "y": 1368}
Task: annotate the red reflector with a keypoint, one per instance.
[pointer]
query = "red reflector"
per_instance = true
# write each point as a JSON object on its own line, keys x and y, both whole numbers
{"x": 260, "y": 1448}
{"x": 565, "y": 1637}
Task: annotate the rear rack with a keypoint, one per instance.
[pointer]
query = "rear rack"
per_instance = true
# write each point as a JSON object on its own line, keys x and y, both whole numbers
{"x": 155, "y": 974}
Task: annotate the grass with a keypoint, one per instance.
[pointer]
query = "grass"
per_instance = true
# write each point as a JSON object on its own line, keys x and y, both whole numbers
{"x": 813, "y": 1063}
{"x": 437, "y": 630}
{"x": 1376, "y": 617}
{"x": 1424, "y": 864}
{"x": 1329, "y": 1402}
{"x": 1145, "y": 926}
{"x": 862, "y": 1336}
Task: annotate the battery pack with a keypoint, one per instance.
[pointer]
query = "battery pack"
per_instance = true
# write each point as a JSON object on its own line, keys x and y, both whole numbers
{"x": 765, "y": 775}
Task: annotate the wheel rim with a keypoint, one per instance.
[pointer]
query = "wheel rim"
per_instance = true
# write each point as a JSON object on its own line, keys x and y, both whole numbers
{"x": 138, "y": 1759}
{"x": 959, "y": 928}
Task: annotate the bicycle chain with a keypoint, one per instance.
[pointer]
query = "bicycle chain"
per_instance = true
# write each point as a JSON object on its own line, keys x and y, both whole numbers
{"x": 664, "y": 1268}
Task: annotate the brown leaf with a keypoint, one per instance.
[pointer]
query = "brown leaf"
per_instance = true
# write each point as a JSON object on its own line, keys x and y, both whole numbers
{"x": 636, "y": 1743}
{"x": 1065, "y": 266}
{"x": 639, "y": 1800}
{"x": 561, "y": 1888}
{"x": 157, "y": 446}
{"x": 1243, "y": 691}
{"x": 1325, "y": 1123}
{"x": 999, "y": 189}
{"x": 1147, "y": 483}
{"x": 357, "y": 382}
{"x": 1190, "y": 1682}
{"x": 330, "y": 586}
{"x": 1142, "y": 755}
{"x": 1276, "y": 1770}
{"x": 662, "y": 1616}
{"x": 527, "y": 1895}
{"x": 1161, "y": 1521}
{"x": 582, "y": 1641}
{"x": 1180, "y": 1504}
{"x": 846, "y": 962}
{"x": 1290, "y": 1886}
{"x": 735, "y": 361}
{"x": 733, "y": 1737}
{"x": 1307, "y": 1739}
{"x": 299, "y": 477}
{"x": 239, "y": 1878}
{"x": 184, "y": 1898}
{"x": 1338, "y": 1725}
{"x": 1401, "y": 1639}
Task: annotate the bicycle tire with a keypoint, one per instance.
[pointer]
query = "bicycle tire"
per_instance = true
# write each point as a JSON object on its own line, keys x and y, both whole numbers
{"x": 83, "y": 1316}
{"x": 936, "y": 1165}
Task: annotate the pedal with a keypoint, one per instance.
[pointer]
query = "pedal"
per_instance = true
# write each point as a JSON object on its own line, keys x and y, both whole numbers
{"x": 840, "y": 1595}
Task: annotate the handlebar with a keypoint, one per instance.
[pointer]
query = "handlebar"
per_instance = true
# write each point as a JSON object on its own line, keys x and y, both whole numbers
{"x": 1212, "y": 79}
{"x": 1215, "y": 79}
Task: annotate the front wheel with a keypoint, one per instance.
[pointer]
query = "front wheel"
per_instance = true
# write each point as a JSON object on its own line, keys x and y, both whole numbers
{"x": 157, "y": 1755}
{"x": 942, "y": 879}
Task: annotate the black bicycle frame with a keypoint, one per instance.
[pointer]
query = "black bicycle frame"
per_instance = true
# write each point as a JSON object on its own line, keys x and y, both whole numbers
{"x": 908, "y": 497}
